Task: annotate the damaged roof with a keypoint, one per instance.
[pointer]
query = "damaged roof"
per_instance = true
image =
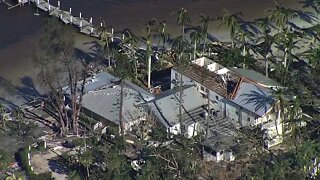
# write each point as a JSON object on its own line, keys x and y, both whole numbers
{"x": 208, "y": 79}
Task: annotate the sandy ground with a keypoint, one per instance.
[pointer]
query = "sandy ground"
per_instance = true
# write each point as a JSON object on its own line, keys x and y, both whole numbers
{"x": 45, "y": 162}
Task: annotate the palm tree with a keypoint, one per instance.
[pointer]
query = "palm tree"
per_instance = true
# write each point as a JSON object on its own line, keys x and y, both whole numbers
{"x": 105, "y": 41}
{"x": 281, "y": 15}
{"x": 183, "y": 18}
{"x": 232, "y": 21}
{"x": 280, "y": 105}
{"x": 195, "y": 37}
{"x": 286, "y": 41}
{"x": 162, "y": 31}
{"x": 149, "y": 30}
{"x": 267, "y": 41}
{"x": 131, "y": 41}
{"x": 244, "y": 36}
{"x": 205, "y": 20}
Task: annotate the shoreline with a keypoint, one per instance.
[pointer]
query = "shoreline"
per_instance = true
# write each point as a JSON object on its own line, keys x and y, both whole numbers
{"x": 17, "y": 56}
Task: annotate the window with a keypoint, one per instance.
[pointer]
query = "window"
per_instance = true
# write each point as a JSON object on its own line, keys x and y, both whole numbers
{"x": 248, "y": 119}
{"x": 202, "y": 88}
{"x": 237, "y": 113}
{"x": 217, "y": 98}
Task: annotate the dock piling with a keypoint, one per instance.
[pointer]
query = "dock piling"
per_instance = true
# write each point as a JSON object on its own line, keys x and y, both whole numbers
{"x": 86, "y": 25}
{"x": 111, "y": 34}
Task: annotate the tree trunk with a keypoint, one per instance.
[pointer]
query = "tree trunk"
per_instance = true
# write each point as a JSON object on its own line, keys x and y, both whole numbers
{"x": 109, "y": 58}
{"x": 135, "y": 66}
{"x": 267, "y": 66}
{"x": 149, "y": 70}
{"x": 67, "y": 120}
{"x": 194, "y": 50}
{"x": 121, "y": 109}
{"x": 204, "y": 44}
{"x": 180, "y": 105}
{"x": 61, "y": 117}
{"x": 4, "y": 123}
{"x": 88, "y": 173}
{"x": 244, "y": 53}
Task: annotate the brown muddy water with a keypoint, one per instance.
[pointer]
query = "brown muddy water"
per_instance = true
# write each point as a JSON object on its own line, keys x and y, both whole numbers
{"x": 20, "y": 29}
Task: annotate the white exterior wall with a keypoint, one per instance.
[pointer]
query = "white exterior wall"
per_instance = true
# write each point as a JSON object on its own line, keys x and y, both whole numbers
{"x": 214, "y": 67}
{"x": 192, "y": 130}
{"x": 266, "y": 118}
{"x": 174, "y": 129}
{"x": 200, "y": 62}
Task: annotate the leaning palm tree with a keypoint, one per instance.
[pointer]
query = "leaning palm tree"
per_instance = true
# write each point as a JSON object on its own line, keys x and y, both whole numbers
{"x": 205, "y": 20}
{"x": 232, "y": 21}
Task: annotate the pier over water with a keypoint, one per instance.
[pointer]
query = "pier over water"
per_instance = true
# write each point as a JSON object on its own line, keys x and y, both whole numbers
{"x": 85, "y": 25}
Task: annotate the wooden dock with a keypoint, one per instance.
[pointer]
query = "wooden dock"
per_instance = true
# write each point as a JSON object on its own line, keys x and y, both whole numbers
{"x": 85, "y": 26}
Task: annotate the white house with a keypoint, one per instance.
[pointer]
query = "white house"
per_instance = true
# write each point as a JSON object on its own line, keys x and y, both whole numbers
{"x": 242, "y": 95}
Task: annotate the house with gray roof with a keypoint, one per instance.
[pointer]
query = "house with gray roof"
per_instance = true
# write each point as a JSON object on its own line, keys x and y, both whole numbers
{"x": 166, "y": 110}
{"x": 101, "y": 100}
{"x": 104, "y": 104}
{"x": 258, "y": 78}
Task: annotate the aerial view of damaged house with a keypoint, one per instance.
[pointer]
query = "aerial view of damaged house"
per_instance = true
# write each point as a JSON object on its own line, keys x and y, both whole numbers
{"x": 216, "y": 102}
